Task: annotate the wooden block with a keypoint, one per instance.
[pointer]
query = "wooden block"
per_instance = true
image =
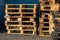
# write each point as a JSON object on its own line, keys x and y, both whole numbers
{"x": 42, "y": 7}
{"x": 55, "y": 7}
{"x": 52, "y": 1}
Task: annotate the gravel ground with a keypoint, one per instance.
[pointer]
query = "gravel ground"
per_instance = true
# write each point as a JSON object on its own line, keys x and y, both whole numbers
{"x": 4, "y": 36}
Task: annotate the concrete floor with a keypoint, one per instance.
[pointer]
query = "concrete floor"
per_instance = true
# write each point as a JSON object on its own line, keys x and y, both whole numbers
{"x": 4, "y": 36}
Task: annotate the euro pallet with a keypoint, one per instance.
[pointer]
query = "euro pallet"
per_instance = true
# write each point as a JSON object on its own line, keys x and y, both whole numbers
{"x": 21, "y": 10}
{"x": 20, "y": 15}
{"x": 21, "y": 19}
{"x": 23, "y": 32}
{"x": 20, "y": 27}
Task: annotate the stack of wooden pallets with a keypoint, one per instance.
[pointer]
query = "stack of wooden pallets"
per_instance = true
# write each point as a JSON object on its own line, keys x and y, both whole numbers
{"x": 57, "y": 21}
{"x": 20, "y": 18}
{"x": 46, "y": 20}
{"x": 13, "y": 18}
{"x": 28, "y": 22}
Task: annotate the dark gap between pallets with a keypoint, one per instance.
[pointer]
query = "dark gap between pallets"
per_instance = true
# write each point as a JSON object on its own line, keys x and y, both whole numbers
{"x": 46, "y": 33}
{"x": 13, "y": 10}
{"x": 13, "y": 27}
{"x": 13, "y": 19}
{"x": 46, "y": 24}
{"x": 14, "y": 15}
{"x": 47, "y": 3}
{"x": 46, "y": 12}
{"x": 13, "y": 6}
{"x": 13, "y": 23}
{"x": 58, "y": 34}
{"x": 27, "y": 10}
{"x": 46, "y": 7}
{"x": 45, "y": 0}
{"x": 46, "y": 20}
{"x": 28, "y": 6}
{"x": 28, "y": 28}
{"x": 15, "y": 31}
{"x": 45, "y": 29}
{"x": 25, "y": 19}
{"x": 27, "y": 23}
{"x": 28, "y": 32}
{"x": 28, "y": 15}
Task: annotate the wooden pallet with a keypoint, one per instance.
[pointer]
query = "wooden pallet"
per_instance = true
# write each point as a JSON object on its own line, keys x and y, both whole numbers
{"x": 21, "y": 19}
{"x": 23, "y": 23}
{"x": 23, "y": 32}
{"x": 20, "y": 15}
{"x": 20, "y": 7}
{"x": 20, "y": 27}
{"x": 21, "y": 10}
